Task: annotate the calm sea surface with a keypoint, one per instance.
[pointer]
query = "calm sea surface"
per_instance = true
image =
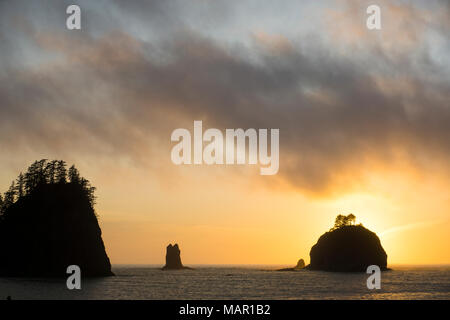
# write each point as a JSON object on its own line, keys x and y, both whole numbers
{"x": 238, "y": 282}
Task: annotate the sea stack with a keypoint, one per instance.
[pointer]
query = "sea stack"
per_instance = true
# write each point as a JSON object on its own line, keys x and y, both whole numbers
{"x": 173, "y": 259}
{"x": 300, "y": 265}
{"x": 51, "y": 226}
{"x": 348, "y": 248}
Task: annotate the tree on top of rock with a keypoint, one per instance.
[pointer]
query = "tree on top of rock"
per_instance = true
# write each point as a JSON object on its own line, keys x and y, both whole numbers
{"x": 48, "y": 222}
{"x": 74, "y": 175}
{"x": 50, "y": 170}
{"x": 61, "y": 171}
{"x": 342, "y": 221}
{"x": 44, "y": 172}
{"x": 20, "y": 185}
{"x": 9, "y": 197}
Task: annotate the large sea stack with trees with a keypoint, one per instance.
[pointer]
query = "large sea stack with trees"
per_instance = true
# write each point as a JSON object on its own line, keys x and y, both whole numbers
{"x": 48, "y": 222}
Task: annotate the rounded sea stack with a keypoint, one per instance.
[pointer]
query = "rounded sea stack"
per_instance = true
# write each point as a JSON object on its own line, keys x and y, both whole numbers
{"x": 347, "y": 249}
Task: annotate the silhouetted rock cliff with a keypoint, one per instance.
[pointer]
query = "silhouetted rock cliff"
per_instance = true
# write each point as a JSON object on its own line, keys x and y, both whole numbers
{"x": 173, "y": 258}
{"x": 49, "y": 228}
{"x": 348, "y": 248}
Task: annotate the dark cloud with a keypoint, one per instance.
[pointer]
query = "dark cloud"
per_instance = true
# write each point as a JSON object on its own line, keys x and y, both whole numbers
{"x": 117, "y": 95}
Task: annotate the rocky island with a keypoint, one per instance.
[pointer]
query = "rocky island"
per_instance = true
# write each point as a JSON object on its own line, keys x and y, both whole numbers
{"x": 48, "y": 222}
{"x": 300, "y": 265}
{"x": 347, "y": 248}
{"x": 173, "y": 258}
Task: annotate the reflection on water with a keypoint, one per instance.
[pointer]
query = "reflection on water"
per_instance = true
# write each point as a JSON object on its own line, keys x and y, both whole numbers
{"x": 238, "y": 282}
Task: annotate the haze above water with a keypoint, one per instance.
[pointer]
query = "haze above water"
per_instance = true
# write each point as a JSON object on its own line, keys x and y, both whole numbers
{"x": 238, "y": 282}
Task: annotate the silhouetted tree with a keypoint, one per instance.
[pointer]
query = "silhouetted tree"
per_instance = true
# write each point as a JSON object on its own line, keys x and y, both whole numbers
{"x": 74, "y": 175}
{"x": 44, "y": 172}
{"x": 91, "y": 195}
{"x": 88, "y": 190}
{"x": 61, "y": 172}
{"x": 351, "y": 219}
{"x": 20, "y": 185}
{"x": 342, "y": 221}
{"x": 338, "y": 222}
{"x": 1, "y": 204}
{"x": 40, "y": 172}
{"x": 30, "y": 178}
{"x": 35, "y": 175}
{"x": 10, "y": 196}
{"x": 50, "y": 171}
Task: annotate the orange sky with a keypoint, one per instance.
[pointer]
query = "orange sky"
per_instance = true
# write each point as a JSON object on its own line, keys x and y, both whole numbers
{"x": 234, "y": 216}
{"x": 240, "y": 220}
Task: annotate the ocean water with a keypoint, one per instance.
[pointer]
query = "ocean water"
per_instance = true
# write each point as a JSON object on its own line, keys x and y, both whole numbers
{"x": 238, "y": 282}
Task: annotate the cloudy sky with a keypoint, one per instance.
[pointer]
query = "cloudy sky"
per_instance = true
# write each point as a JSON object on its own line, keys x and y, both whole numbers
{"x": 364, "y": 119}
